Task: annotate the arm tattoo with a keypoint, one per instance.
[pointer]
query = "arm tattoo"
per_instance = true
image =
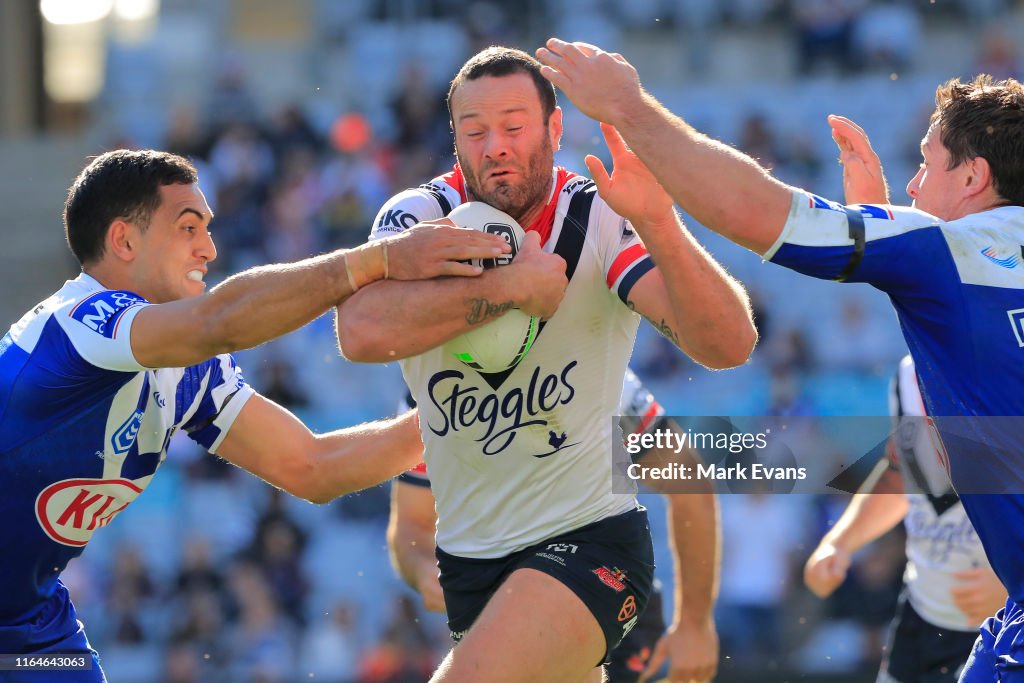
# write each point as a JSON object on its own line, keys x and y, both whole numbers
{"x": 482, "y": 309}
{"x": 663, "y": 327}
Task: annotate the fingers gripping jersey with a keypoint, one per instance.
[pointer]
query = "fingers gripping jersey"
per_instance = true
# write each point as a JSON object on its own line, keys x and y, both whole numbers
{"x": 83, "y": 428}
{"x": 958, "y": 290}
{"x": 639, "y": 411}
{"x": 522, "y": 456}
{"x": 940, "y": 538}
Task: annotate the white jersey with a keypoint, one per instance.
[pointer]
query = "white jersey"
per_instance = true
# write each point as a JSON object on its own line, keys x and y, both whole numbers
{"x": 521, "y": 456}
{"x": 940, "y": 537}
{"x": 639, "y": 413}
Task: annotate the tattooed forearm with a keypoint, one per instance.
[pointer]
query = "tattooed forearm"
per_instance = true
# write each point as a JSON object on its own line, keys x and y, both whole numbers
{"x": 666, "y": 331}
{"x": 663, "y": 327}
{"x": 482, "y": 309}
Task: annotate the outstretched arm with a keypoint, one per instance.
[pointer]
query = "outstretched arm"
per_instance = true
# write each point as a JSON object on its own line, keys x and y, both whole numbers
{"x": 266, "y": 302}
{"x": 689, "y": 297}
{"x": 693, "y": 168}
{"x": 270, "y": 442}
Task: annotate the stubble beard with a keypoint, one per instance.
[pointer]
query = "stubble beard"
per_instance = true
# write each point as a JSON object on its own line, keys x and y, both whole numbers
{"x": 514, "y": 199}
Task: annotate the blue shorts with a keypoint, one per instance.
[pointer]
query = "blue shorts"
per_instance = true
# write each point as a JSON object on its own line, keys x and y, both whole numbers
{"x": 921, "y": 652}
{"x": 54, "y": 630}
{"x": 608, "y": 564}
{"x": 998, "y": 653}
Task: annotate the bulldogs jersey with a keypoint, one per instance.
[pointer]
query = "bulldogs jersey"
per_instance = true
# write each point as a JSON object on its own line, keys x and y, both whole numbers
{"x": 83, "y": 428}
{"x": 958, "y": 290}
{"x": 520, "y": 456}
{"x": 940, "y": 538}
{"x": 639, "y": 413}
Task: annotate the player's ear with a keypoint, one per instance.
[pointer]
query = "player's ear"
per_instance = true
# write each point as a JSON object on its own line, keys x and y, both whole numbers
{"x": 978, "y": 177}
{"x": 555, "y": 128}
{"x": 123, "y": 240}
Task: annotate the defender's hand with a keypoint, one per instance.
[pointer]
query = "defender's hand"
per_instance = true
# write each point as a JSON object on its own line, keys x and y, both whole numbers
{"x": 603, "y": 85}
{"x": 537, "y": 278}
{"x": 863, "y": 179}
{"x": 434, "y": 248}
{"x": 826, "y": 569}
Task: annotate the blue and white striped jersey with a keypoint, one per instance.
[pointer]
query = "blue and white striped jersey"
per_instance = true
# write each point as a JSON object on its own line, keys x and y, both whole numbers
{"x": 83, "y": 429}
{"x": 958, "y": 290}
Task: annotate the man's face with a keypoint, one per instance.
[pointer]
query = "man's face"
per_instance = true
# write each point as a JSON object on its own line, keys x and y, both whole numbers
{"x": 174, "y": 250}
{"x": 935, "y": 189}
{"x": 503, "y": 143}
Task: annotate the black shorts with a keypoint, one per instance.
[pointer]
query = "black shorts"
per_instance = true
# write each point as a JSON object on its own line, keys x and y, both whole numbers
{"x": 608, "y": 564}
{"x": 630, "y": 658}
{"x": 920, "y": 652}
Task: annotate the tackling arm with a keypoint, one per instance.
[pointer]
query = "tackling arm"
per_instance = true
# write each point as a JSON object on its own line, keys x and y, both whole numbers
{"x": 693, "y": 168}
{"x": 266, "y": 302}
{"x": 270, "y": 442}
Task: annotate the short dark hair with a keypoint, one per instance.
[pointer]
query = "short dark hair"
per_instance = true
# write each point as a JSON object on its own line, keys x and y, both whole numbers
{"x": 985, "y": 118}
{"x": 121, "y": 184}
{"x": 504, "y": 61}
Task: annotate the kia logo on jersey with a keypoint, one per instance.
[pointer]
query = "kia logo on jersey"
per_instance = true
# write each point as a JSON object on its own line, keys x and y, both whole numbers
{"x": 69, "y": 511}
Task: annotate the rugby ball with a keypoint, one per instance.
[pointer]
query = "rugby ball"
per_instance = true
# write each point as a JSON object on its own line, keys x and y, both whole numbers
{"x": 502, "y": 343}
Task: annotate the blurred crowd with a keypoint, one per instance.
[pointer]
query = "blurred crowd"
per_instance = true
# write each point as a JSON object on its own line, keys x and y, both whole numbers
{"x": 214, "y": 577}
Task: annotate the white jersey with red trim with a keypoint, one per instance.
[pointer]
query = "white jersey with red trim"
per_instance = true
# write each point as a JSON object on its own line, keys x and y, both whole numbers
{"x": 940, "y": 538}
{"x": 520, "y": 456}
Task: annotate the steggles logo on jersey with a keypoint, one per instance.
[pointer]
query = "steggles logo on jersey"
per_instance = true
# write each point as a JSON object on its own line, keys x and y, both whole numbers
{"x": 463, "y": 407}
{"x": 938, "y": 538}
{"x": 69, "y": 511}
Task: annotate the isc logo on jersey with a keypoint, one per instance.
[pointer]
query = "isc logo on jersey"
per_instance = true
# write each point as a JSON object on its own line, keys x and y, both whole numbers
{"x": 101, "y": 312}
{"x": 69, "y": 511}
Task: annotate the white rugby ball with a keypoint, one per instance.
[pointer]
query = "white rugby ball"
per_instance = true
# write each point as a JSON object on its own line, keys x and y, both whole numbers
{"x": 503, "y": 342}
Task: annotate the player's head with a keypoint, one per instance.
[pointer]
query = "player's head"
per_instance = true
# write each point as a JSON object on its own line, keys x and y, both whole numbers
{"x": 973, "y": 150}
{"x": 507, "y": 126}
{"x": 140, "y": 219}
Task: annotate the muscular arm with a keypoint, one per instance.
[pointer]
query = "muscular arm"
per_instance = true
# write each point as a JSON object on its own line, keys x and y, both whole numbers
{"x": 392, "y": 320}
{"x": 270, "y": 442}
{"x": 265, "y": 302}
{"x": 689, "y": 298}
{"x": 693, "y": 168}
{"x": 693, "y": 302}
{"x": 411, "y": 540}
